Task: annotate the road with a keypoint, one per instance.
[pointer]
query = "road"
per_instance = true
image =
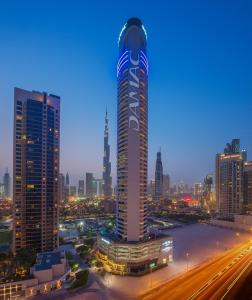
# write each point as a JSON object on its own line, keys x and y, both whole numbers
{"x": 213, "y": 280}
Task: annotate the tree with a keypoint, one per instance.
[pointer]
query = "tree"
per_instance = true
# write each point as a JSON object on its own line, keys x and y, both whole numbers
{"x": 24, "y": 259}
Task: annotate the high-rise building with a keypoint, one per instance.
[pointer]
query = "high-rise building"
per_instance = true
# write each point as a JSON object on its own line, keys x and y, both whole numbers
{"x": 166, "y": 185}
{"x": 61, "y": 188}
{"x": 81, "y": 188}
{"x": 181, "y": 187}
{"x": 132, "y": 249}
{"x": 159, "y": 179}
{"x": 98, "y": 187}
{"x": 197, "y": 190}
{"x": 6, "y": 182}
{"x": 67, "y": 187}
{"x": 89, "y": 185}
{"x": 107, "y": 179}
{"x": 152, "y": 188}
{"x": 73, "y": 190}
{"x": 208, "y": 196}
{"x": 229, "y": 180}
{"x": 247, "y": 183}
{"x": 132, "y": 135}
{"x": 67, "y": 179}
{"x": 36, "y": 170}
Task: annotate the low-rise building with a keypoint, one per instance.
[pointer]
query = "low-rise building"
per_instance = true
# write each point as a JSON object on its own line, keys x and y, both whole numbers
{"x": 47, "y": 274}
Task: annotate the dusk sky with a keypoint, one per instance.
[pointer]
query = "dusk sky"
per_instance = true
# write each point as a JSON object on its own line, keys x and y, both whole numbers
{"x": 200, "y": 78}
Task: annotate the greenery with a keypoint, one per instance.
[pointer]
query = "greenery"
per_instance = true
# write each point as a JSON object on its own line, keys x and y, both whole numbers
{"x": 61, "y": 241}
{"x": 81, "y": 279}
{"x": 69, "y": 255}
{"x": 82, "y": 248}
{"x": 5, "y": 237}
{"x": 24, "y": 259}
{"x": 73, "y": 265}
{"x": 18, "y": 267}
{"x": 90, "y": 242}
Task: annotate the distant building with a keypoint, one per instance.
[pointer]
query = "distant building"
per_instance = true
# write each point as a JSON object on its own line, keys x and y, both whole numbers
{"x": 98, "y": 187}
{"x": 89, "y": 185}
{"x": 36, "y": 170}
{"x": 106, "y": 175}
{"x": 209, "y": 199}
{"x": 247, "y": 184}
{"x": 159, "y": 179}
{"x": 229, "y": 180}
{"x": 81, "y": 188}
{"x": 197, "y": 190}
{"x": 6, "y": 182}
{"x": 181, "y": 187}
{"x": 73, "y": 190}
{"x": 166, "y": 185}
{"x": 152, "y": 188}
{"x": 61, "y": 188}
{"x": 67, "y": 179}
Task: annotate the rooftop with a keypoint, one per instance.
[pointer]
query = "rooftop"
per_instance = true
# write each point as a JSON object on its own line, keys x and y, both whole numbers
{"x": 46, "y": 260}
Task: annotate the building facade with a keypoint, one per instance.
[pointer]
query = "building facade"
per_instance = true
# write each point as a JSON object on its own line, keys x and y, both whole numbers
{"x": 159, "y": 179}
{"x": 36, "y": 170}
{"x": 131, "y": 249}
{"x": 166, "y": 185}
{"x": 81, "y": 188}
{"x": 89, "y": 185}
{"x": 132, "y": 132}
{"x": 229, "y": 180}
{"x": 106, "y": 175}
{"x": 247, "y": 183}
{"x": 6, "y": 182}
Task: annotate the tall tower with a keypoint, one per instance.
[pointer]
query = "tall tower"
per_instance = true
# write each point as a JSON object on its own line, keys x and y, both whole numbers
{"x": 159, "y": 178}
{"x": 89, "y": 185}
{"x": 67, "y": 179}
{"x": 107, "y": 180}
{"x": 36, "y": 170}
{"x": 131, "y": 249}
{"x": 6, "y": 182}
{"x": 132, "y": 132}
{"x": 229, "y": 180}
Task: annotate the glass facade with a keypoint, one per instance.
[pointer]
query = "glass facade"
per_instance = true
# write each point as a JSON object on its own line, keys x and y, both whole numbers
{"x": 36, "y": 170}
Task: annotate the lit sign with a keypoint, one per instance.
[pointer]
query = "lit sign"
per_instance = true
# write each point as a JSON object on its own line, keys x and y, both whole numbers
{"x": 134, "y": 93}
{"x": 106, "y": 241}
{"x": 166, "y": 246}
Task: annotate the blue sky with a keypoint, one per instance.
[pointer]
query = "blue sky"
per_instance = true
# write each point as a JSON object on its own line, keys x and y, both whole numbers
{"x": 200, "y": 79}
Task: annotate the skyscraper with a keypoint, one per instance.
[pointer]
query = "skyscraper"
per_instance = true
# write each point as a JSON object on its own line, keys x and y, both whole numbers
{"x": 209, "y": 199}
{"x": 131, "y": 249}
{"x": 132, "y": 134}
{"x": 36, "y": 170}
{"x": 247, "y": 184}
{"x": 61, "y": 188}
{"x": 197, "y": 190}
{"x": 159, "y": 179}
{"x": 81, "y": 188}
{"x": 166, "y": 185}
{"x": 229, "y": 180}
{"x": 107, "y": 180}
{"x": 67, "y": 179}
{"x": 89, "y": 185}
{"x": 6, "y": 182}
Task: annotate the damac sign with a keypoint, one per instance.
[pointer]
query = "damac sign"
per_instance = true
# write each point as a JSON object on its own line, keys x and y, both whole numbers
{"x": 134, "y": 93}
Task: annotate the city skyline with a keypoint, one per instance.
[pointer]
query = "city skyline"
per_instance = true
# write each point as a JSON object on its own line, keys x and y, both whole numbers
{"x": 199, "y": 75}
